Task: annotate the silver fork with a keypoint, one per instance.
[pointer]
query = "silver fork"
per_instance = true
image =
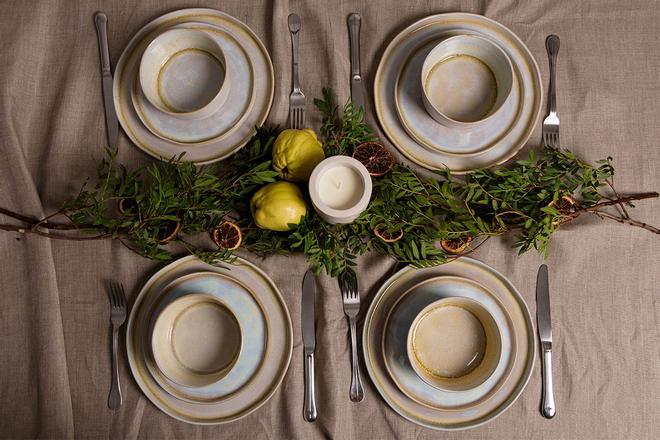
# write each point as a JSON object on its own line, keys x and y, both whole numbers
{"x": 117, "y": 317}
{"x": 351, "y": 298}
{"x": 550, "y": 132}
{"x": 297, "y": 97}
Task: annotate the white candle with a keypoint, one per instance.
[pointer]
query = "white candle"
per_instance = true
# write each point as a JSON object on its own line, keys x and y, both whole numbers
{"x": 340, "y": 188}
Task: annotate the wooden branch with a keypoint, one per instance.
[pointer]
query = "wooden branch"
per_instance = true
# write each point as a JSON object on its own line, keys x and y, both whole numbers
{"x": 628, "y": 221}
{"x": 24, "y": 231}
{"x": 620, "y": 201}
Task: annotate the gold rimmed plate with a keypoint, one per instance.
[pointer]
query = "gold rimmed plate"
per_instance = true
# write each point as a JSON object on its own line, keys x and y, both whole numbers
{"x": 402, "y": 315}
{"x": 221, "y": 123}
{"x": 437, "y": 137}
{"x": 259, "y": 387}
{"x": 450, "y": 416}
{"x": 435, "y": 28}
{"x": 241, "y": 303}
{"x": 212, "y": 150}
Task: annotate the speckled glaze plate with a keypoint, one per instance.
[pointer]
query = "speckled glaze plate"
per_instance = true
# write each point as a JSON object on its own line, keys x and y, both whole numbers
{"x": 440, "y": 138}
{"x": 220, "y": 124}
{"x": 259, "y": 387}
{"x": 212, "y": 150}
{"x": 243, "y": 304}
{"x": 435, "y": 28}
{"x": 450, "y": 416}
{"x": 400, "y": 319}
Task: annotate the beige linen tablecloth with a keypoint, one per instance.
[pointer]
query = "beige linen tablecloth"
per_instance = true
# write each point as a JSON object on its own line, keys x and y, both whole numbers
{"x": 54, "y": 329}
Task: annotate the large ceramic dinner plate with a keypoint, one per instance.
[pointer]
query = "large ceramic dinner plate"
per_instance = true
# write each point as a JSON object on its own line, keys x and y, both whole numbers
{"x": 242, "y": 303}
{"x": 425, "y": 33}
{"x": 259, "y": 387}
{"x": 400, "y": 319}
{"x": 226, "y": 143}
{"x": 450, "y": 415}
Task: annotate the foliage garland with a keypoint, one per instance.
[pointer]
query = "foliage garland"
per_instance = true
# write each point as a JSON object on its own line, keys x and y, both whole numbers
{"x": 176, "y": 200}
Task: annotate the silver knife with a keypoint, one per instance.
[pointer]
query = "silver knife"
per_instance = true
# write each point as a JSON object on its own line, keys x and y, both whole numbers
{"x": 357, "y": 90}
{"x": 545, "y": 335}
{"x": 309, "y": 343}
{"x": 111, "y": 123}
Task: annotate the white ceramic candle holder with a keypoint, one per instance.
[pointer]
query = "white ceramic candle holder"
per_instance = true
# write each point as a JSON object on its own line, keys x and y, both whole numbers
{"x": 340, "y": 189}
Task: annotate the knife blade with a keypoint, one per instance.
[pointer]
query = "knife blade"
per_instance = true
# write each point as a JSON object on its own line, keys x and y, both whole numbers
{"x": 309, "y": 343}
{"x": 544, "y": 325}
{"x": 543, "y": 307}
{"x": 111, "y": 122}
{"x": 357, "y": 89}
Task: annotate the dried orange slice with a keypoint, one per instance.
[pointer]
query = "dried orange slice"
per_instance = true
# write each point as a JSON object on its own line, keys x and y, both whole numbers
{"x": 227, "y": 236}
{"x": 565, "y": 205}
{"x": 388, "y": 237}
{"x": 375, "y": 157}
{"x": 127, "y": 206}
{"x": 168, "y": 231}
{"x": 455, "y": 246}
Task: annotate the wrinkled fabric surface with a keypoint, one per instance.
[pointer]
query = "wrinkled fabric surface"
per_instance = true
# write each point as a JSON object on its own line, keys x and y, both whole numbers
{"x": 605, "y": 277}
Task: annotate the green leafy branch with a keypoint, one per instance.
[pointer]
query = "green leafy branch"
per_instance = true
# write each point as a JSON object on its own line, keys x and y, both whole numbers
{"x": 410, "y": 218}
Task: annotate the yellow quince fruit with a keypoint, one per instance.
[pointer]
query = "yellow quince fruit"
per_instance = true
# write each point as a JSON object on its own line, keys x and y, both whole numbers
{"x": 296, "y": 153}
{"x": 277, "y": 205}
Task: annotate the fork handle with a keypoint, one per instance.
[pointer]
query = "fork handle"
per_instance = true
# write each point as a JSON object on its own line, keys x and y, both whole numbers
{"x": 114, "y": 398}
{"x": 552, "y": 47}
{"x": 294, "y": 56}
{"x": 309, "y": 406}
{"x": 357, "y": 392}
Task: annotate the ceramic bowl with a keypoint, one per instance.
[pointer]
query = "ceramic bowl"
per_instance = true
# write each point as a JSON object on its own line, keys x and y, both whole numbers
{"x": 454, "y": 344}
{"x": 183, "y": 73}
{"x": 196, "y": 340}
{"x": 466, "y": 80}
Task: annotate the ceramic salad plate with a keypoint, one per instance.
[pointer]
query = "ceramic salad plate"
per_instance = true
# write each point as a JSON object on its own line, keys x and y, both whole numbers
{"x": 399, "y": 320}
{"x": 435, "y": 147}
{"x": 420, "y": 403}
{"x": 246, "y": 393}
{"x": 243, "y": 305}
{"x": 219, "y": 135}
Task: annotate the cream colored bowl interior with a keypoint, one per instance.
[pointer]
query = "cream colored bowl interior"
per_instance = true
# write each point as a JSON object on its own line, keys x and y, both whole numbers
{"x": 454, "y": 344}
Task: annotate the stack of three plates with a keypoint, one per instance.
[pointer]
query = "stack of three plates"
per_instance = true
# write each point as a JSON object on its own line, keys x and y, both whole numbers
{"x": 391, "y": 316}
{"x": 211, "y": 136}
{"x": 427, "y": 142}
{"x": 209, "y": 344}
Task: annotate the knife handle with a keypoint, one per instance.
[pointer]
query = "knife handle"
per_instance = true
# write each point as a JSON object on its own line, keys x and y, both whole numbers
{"x": 309, "y": 407}
{"x": 548, "y": 404}
{"x": 101, "y": 21}
{"x": 354, "y": 23}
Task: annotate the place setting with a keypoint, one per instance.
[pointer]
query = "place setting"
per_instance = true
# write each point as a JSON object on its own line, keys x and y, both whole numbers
{"x": 445, "y": 340}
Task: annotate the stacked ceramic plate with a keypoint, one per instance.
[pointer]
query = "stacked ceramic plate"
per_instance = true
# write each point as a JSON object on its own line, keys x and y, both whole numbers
{"x": 457, "y": 91}
{"x": 449, "y": 347}
{"x": 209, "y": 344}
{"x": 194, "y": 81}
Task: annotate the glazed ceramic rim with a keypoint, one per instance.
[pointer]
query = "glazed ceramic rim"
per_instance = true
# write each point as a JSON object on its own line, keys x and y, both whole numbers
{"x": 192, "y": 264}
{"x": 526, "y": 371}
{"x": 516, "y": 88}
{"x": 486, "y": 291}
{"x": 426, "y": 71}
{"x": 200, "y": 298}
{"x": 422, "y": 373}
{"x": 477, "y": 21}
{"x": 138, "y": 99}
{"x": 210, "y": 107}
{"x": 140, "y": 137}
